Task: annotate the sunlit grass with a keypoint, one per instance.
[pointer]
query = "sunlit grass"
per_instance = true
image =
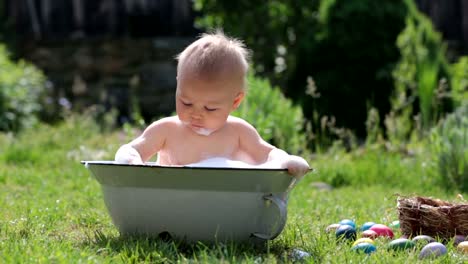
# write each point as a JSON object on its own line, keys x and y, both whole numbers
{"x": 53, "y": 210}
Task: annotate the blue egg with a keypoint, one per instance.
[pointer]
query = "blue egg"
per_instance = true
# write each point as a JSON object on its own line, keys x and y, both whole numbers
{"x": 366, "y": 226}
{"x": 348, "y": 222}
{"x": 364, "y": 248}
{"x": 346, "y": 232}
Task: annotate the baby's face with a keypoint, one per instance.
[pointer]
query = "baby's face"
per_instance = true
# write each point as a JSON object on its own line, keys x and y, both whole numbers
{"x": 204, "y": 106}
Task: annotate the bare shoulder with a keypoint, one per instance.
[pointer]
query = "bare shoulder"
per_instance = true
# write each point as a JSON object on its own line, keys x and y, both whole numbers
{"x": 164, "y": 123}
{"x": 242, "y": 127}
{"x": 239, "y": 123}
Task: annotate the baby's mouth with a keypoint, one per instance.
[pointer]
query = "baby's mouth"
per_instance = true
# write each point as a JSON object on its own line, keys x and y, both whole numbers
{"x": 200, "y": 130}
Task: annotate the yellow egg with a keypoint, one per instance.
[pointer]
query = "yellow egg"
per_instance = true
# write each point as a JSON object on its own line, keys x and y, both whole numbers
{"x": 363, "y": 240}
{"x": 463, "y": 247}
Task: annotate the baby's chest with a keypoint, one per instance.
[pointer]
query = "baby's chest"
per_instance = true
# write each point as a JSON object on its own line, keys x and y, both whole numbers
{"x": 187, "y": 151}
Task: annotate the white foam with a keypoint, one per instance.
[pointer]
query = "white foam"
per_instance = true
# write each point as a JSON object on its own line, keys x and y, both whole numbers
{"x": 220, "y": 162}
{"x": 200, "y": 131}
{"x": 203, "y": 131}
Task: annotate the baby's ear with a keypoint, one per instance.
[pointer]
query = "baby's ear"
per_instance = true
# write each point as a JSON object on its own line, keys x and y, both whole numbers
{"x": 238, "y": 100}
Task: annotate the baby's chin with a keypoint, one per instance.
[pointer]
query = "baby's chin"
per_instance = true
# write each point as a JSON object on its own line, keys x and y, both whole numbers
{"x": 200, "y": 131}
{"x": 203, "y": 131}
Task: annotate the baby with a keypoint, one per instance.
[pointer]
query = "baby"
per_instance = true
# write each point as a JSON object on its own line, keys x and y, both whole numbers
{"x": 211, "y": 83}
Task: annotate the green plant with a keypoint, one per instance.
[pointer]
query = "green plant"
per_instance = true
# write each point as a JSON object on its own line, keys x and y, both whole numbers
{"x": 21, "y": 87}
{"x": 347, "y": 46}
{"x": 275, "y": 117}
{"x": 420, "y": 72}
{"x": 449, "y": 145}
{"x": 374, "y": 133}
{"x": 459, "y": 81}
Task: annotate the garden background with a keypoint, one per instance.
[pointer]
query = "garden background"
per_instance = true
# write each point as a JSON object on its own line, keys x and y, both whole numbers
{"x": 371, "y": 93}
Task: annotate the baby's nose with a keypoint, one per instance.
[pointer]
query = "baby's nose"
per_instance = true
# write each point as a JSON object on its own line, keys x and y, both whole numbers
{"x": 196, "y": 115}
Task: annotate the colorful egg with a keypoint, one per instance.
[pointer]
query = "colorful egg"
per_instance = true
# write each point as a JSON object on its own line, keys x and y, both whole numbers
{"x": 363, "y": 240}
{"x": 366, "y": 226}
{"x": 346, "y": 232}
{"x": 332, "y": 228}
{"x": 423, "y": 240}
{"x": 369, "y": 234}
{"x": 382, "y": 230}
{"x": 401, "y": 244}
{"x": 364, "y": 248}
{"x": 458, "y": 239}
{"x": 463, "y": 247}
{"x": 432, "y": 250}
{"x": 395, "y": 225}
{"x": 348, "y": 222}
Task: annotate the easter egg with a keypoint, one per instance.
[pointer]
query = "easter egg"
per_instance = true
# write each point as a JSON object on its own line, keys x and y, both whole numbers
{"x": 432, "y": 250}
{"x": 364, "y": 248}
{"x": 366, "y": 226}
{"x": 369, "y": 234}
{"x": 423, "y": 240}
{"x": 458, "y": 239}
{"x": 401, "y": 244}
{"x": 363, "y": 240}
{"x": 332, "y": 228}
{"x": 463, "y": 247}
{"x": 395, "y": 225}
{"x": 348, "y": 222}
{"x": 382, "y": 230}
{"x": 346, "y": 232}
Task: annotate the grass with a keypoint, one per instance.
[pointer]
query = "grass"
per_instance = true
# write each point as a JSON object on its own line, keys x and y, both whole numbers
{"x": 52, "y": 209}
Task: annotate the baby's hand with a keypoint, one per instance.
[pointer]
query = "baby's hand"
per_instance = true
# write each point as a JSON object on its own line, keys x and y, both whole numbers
{"x": 296, "y": 166}
{"x": 128, "y": 155}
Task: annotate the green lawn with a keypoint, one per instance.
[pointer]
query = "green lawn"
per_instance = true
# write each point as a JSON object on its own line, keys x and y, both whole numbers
{"x": 52, "y": 209}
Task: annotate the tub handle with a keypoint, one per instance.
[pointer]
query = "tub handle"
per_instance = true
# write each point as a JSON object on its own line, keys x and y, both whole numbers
{"x": 281, "y": 206}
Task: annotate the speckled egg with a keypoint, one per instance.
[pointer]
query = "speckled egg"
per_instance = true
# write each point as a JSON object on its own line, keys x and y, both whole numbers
{"x": 401, "y": 244}
{"x": 346, "y": 232}
{"x": 363, "y": 240}
{"x": 364, "y": 248}
{"x": 348, "y": 222}
{"x": 370, "y": 234}
{"x": 423, "y": 240}
{"x": 366, "y": 226}
{"x": 382, "y": 230}
{"x": 432, "y": 250}
{"x": 332, "y": 228}
{"x": 463, "y": 247}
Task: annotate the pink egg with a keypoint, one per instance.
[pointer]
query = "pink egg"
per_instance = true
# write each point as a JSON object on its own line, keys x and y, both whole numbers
{"x": 382, "y": 230}
{"x": 369, "y": 234}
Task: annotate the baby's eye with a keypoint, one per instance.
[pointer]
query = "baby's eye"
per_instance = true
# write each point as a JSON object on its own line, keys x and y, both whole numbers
{"x": 186, "y": 104}
{"x": 210, "y": 109}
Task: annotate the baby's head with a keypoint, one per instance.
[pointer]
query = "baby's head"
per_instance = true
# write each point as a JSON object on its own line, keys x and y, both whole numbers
{"x": 215, "y": 57}
{"x": 211, "y": 79}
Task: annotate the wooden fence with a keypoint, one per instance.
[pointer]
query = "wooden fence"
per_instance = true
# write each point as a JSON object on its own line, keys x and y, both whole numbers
{"x": 46, "y": 19}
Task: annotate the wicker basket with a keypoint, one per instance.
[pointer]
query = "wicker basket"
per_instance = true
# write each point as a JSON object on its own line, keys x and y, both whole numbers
{"x": 432, "y": 217}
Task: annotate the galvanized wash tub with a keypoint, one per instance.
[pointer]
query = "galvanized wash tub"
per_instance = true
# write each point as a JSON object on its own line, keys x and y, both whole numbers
{"x": 195, "y": 203}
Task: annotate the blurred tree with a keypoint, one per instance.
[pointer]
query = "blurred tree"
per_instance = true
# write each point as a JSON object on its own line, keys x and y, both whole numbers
{"x": 347, "y": 46}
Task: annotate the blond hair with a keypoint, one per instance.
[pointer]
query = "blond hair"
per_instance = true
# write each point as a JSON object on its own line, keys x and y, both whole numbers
{"x": 214, "y": 56}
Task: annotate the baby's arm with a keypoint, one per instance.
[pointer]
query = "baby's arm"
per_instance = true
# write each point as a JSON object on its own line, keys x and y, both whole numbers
{"x": 146, "y": 145}
{"x": 266, "y": 154}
